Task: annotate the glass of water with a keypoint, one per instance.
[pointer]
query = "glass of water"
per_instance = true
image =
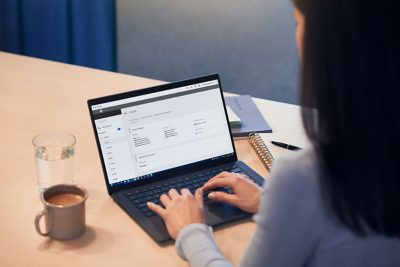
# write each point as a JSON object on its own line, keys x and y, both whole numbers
{"x": 54, "y": 155}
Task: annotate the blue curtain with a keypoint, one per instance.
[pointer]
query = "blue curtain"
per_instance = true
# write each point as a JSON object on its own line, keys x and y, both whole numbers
{"x": 80, "y": 32}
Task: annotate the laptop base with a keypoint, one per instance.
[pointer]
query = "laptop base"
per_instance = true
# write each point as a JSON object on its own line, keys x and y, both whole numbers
{"x": 216, "y": 214}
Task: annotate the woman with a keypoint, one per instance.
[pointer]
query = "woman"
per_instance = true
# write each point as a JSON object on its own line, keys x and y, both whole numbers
{"x": 337, "y": 203}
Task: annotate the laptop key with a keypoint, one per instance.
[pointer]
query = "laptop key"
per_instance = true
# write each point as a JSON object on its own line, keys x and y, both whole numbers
{"x": 148, "y": 193}
{"x": 236, "y": 170}
{"x": 149, "y": 213}
{"x": 192, "y": 190}
{"x": 228, "y": 189}
{"x": 142, "y": 205}
{"x": 149, "y": 198}
{"x": 144, "y": 209}
{"x": 131, "y": 197}
{"x": 157, "y": 191}
{"x": 205, "y": 179}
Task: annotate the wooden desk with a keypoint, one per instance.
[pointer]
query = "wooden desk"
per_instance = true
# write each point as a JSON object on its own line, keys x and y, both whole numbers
{"x": 38, "y": 95}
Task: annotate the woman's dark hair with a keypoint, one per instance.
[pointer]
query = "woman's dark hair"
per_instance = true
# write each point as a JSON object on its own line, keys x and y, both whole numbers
{"x": 350, "y": 93}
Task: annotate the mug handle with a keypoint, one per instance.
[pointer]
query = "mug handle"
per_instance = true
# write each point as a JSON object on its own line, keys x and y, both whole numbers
{"x": 37, "y": 220}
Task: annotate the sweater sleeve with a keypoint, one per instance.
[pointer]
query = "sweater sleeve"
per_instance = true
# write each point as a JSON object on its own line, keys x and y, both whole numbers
{"x": 288, "y": 225}
{"x": 196, "y": 244}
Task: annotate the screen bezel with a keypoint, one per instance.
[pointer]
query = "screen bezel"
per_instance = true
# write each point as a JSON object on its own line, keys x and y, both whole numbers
{"x": 174, "y": 171}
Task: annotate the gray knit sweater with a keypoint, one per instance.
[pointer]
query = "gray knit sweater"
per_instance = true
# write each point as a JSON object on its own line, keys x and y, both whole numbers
{"x": 294, "y": 228}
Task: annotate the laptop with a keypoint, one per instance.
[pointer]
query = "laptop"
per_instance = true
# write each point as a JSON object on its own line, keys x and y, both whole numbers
{"x": 174, "y": 135}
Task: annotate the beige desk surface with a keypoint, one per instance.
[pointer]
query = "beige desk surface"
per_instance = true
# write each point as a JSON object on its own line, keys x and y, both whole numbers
{"x": 37, "y": 96}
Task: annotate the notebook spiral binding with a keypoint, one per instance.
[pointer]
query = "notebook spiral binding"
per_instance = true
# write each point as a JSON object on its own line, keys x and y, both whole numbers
{"x": 261, "y": 150}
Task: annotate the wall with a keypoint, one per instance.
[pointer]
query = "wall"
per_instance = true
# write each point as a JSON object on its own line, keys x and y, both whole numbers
{"x": 250, "y": 43}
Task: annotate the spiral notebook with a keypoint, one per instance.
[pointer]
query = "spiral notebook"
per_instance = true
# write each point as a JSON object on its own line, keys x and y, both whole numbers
{"x": 261, "y": 149}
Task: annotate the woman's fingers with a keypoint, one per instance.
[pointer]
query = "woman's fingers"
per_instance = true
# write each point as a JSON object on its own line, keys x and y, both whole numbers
{"x": 165, "y": 200}
{"x": 198, "y": 195}
{"x": 186, "y": 191}
{"x": 173, "y": 194}
{"x": 218, "y": 182}
{"x": 228, "y": 175}
{"x": 156, "y": 209}
{"x": 221, "y": 175}
{"x": 224, "y": 197}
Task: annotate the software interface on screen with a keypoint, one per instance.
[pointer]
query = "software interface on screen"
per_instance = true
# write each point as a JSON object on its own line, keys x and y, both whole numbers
{"x": 143, "y": 135}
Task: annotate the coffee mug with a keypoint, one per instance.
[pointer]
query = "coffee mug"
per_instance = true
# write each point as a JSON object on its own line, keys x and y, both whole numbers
{"x": 64, "y": 211}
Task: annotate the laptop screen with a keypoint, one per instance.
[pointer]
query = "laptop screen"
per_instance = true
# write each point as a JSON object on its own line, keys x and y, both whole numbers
{"x": 171, "y": 126}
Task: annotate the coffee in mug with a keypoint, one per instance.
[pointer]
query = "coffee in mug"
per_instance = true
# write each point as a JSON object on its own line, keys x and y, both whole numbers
{"x": 64, "y": 211}
{"x": 65, "y": 199}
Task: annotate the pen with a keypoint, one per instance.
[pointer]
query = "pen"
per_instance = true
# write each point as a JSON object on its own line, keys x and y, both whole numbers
{"x": 287, "y": 146}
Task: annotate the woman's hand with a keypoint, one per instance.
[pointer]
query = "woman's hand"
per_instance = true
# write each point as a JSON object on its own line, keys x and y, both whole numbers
{"x": 180, "y": 210}
{"x": 246, "y": 193}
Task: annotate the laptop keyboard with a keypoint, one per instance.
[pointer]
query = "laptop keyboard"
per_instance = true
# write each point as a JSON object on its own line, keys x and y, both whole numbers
{"x": 140, "y": 197}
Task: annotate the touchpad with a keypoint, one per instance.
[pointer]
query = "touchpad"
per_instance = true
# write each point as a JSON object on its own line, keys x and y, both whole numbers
{"x": 217, "y": 213}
